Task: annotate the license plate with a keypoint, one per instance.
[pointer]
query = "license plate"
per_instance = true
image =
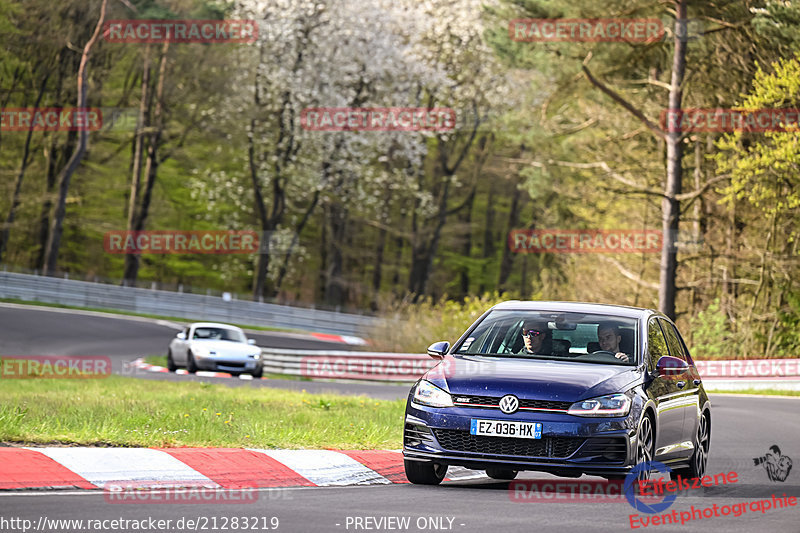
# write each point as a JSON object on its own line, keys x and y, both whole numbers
{"x": 502, "y": 428}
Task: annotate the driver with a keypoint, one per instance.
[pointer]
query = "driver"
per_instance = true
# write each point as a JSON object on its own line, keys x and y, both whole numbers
{"x": 534, "y": 333}
{"x": 609, "y": 337}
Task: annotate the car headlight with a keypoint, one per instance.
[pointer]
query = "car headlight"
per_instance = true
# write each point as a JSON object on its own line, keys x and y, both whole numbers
{"x": 429, "y": 394}
{"x": 255, "y": 356}
{"x": 611, "y": 405}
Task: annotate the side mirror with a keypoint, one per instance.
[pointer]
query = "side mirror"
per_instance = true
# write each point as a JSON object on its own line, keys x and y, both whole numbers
{"x": 251, "y": 342}
{"x": 437, "y": 350}
{"x": 181, "y": 335}
{"x": 671, "y": 366}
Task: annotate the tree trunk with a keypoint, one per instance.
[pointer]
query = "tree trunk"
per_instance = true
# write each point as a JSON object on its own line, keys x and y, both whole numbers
{"x": 139, "y": 221}
{"x": 138, "y": 140}
{"x": 12, "y": 212}
{"x": 54, "y": 239}
{"x": 507, "y": 261}
{"x": 488, "y": 236}
{"x": 670, "y": 206}
{"x": 466, "y": 249}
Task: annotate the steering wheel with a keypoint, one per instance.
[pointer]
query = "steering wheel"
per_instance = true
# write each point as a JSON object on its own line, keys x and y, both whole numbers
{"x": 604, "y": 352}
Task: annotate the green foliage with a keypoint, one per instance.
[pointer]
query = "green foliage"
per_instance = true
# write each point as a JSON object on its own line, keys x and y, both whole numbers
{"x": 764, "y": 166}
{"x": 123, "y": 411}
{"x": 711, "y": 335}
{"x": 415, "y": 326}
{"x": 787, "y": 335}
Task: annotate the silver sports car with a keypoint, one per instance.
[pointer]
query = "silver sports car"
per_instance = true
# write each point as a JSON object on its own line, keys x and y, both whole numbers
{"x": 212, "y": 346}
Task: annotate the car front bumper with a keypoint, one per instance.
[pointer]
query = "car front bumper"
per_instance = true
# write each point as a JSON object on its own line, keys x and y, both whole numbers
{"x": 228, "y": 364}
{"x": 570, "y": 445}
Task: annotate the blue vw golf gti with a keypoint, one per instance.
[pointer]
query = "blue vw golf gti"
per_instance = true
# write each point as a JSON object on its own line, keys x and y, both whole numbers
{"x": 565, "y": 388}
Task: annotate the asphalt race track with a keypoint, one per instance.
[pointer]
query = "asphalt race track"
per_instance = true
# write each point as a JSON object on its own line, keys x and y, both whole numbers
{"x": 30, "y": 330}
{"x": 742, "y": 428}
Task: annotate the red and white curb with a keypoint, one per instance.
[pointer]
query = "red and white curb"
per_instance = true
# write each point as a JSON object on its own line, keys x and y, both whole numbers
{"x": 346, "y": 339}
{"x": 96, "y": 468}
{"x": 139, "y": 364}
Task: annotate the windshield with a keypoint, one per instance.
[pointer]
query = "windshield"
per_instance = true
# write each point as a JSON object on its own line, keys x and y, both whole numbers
{"x": 578, "y": 337}
{"x": 218, "y": 334}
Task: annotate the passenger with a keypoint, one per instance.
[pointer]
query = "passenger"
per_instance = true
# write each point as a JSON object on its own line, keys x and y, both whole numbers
{"x": 609, "y": 337}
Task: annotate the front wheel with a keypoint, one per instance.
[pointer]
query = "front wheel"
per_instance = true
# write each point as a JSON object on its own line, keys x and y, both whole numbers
{"x": 171, "y": 366}
{"x": 424, "y": 473}
{"x": 191, "y": 366}
{"x": 499, "y": 473}
{"x": 702, "y": 443}
{"x": 258, "y": 373}
{"x": 645, "y": 446}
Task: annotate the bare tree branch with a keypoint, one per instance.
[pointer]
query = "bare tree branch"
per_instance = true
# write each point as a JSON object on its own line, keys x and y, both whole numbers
{"x": 621, "y": 101}
{"x": 628, "y": 274}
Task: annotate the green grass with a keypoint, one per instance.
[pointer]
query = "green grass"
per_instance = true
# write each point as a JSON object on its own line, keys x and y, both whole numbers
{"x": 143, "y": 315}
{"x": 161, "y": 360}
{"x": 763, "y": 392}
{"x": 121, "y": 411}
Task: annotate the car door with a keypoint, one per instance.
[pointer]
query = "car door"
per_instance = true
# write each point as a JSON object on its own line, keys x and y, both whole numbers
{"x": 179, "y": 347}
{"x": 688, "y": 382}
{"x": 663, "y": 390}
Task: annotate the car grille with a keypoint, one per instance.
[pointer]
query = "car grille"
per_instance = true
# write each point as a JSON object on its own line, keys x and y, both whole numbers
{"x": 230, "y": 364}
{"x": 416, "y": 435}
{"x": 554, "y": 447}
{"x": 494, "y": 401}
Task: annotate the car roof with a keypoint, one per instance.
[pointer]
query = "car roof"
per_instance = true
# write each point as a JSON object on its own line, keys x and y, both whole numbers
{"x": 213, "y": 325}
{"x": 577, "y": 307}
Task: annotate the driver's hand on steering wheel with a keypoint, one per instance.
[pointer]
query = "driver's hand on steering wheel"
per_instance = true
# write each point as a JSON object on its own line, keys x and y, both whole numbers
{"x": 621, "y": 356}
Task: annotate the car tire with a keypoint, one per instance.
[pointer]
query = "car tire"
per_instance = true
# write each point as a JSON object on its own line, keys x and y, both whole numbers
{"x": 702, "y": 443}
{"x": 258, "y": 373}
{"x": 171, "y": 366}
{"x": 645, "y": 445}
{"x": 499, "y": 473}
{"x": 425, "y": 473}
{"x": 191, "y": 366}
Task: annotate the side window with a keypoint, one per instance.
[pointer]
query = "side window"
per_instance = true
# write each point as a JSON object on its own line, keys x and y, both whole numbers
{"x": 675, "y": 346}
{"x": 656, "y": 345}
{"x": 683, "y": 345}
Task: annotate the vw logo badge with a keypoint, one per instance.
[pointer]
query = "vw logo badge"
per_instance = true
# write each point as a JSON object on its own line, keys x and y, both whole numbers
{"x": 509, "y": 404}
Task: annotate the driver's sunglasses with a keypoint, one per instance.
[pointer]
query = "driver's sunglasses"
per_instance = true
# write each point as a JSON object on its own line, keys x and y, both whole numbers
{"x": 531, "y": 333}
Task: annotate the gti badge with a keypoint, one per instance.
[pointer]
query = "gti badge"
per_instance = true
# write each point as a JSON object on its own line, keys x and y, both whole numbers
{"x": 509, "y": 404}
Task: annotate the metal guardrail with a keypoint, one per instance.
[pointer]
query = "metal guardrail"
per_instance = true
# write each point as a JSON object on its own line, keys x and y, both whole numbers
{"x": 332, "y": 364}
{"x": 406, "y": 367}
{"x": 181, "y": 305}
